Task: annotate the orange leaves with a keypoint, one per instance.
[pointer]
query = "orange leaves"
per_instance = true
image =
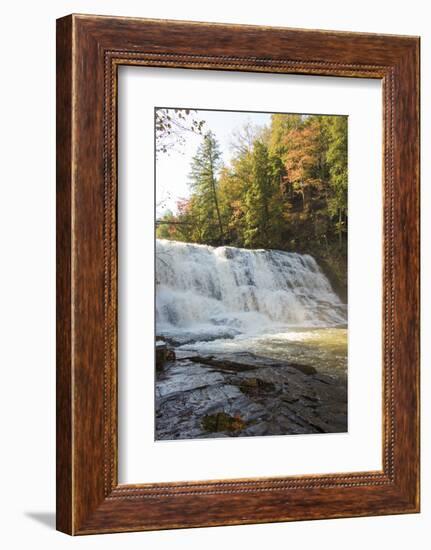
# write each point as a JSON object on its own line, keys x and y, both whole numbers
{"x": 303, "y": 157}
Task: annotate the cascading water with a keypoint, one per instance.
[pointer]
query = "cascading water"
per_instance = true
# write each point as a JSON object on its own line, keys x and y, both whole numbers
{"x": 209, "y": 293}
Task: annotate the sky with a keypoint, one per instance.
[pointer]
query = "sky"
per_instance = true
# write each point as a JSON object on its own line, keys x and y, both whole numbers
{"x": 173, "y": 168}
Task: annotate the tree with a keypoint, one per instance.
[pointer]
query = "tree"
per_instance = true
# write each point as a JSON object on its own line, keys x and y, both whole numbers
{"x": 242, "y": 140}
{"x": 281, "y": 125}
{"x": 262, "y": 200}
{"x": 203, "y": 180}
{"x": 172, "y": 125}
{"x": 179, "y": 227}
{"x": 336, "y": 157}
{"x": 305, "y": 157}
{"x": 165, "y": 226}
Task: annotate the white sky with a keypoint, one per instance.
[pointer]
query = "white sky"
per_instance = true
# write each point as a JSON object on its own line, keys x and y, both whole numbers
{"x": 173, "y": 168}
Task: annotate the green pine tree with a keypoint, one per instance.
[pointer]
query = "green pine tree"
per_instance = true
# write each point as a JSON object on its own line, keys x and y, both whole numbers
{"x": 263, "y": 214}
{"x": 336, "y": 157}
{"x": 204, "y": 185}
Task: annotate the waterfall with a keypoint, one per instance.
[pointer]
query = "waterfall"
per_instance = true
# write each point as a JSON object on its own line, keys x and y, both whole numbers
{"x": 239, "y": 290}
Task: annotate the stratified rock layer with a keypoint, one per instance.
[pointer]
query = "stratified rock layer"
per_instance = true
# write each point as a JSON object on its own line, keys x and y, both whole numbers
{"x": 200, "y": 396}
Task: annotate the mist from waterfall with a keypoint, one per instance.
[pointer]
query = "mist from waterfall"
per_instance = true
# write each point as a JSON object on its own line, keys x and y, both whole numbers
{"x": 222, "y": 292}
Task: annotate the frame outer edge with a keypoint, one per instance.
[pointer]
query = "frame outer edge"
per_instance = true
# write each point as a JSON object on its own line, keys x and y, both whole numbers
{"x": 81, "y": 508}
{"x": 407, "y": 273}
{"x": 64, "y": 367}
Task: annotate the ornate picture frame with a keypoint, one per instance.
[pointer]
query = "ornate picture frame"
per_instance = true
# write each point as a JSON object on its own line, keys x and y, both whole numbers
{"x": 89, "y": 51}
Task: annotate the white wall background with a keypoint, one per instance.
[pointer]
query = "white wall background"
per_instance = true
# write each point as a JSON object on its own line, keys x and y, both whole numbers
{"x": 27, "y": 245}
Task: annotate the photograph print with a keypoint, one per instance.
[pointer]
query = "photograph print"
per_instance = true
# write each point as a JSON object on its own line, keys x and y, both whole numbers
{"x": 250, "y": 273}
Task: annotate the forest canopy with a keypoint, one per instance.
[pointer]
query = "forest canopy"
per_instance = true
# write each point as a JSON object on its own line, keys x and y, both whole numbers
{"x": 284, "y": 188}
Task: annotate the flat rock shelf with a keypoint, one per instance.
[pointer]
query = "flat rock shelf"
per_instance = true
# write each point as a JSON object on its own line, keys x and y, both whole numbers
{"x": 243, "y": 394}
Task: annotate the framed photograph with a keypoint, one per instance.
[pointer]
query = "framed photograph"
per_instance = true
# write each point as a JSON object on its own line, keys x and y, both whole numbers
{"x": 251, "y": 338}
{"x": 237, "y": 274}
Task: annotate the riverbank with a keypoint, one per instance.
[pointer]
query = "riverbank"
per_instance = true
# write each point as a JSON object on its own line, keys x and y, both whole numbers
{"x": 243, "y": 394}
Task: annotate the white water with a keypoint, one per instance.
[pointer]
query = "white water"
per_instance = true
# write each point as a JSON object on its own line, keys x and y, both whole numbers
{"x": 203, "y": 293}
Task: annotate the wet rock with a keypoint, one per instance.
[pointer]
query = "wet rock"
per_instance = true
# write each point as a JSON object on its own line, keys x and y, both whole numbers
{"x": 189, "y": 337}
{"x": 256, "y": 386}
{"x": 161, "y": 353}
{"x": 222, "y": 422}
{"x": 270, "y": 397}
{"x": 305, "y": 369}
{"x": 223, "y": 364}
{"x": 248, "y": 361}
{"x": 164, "y": 353}
{"x": 182, "y": 355}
